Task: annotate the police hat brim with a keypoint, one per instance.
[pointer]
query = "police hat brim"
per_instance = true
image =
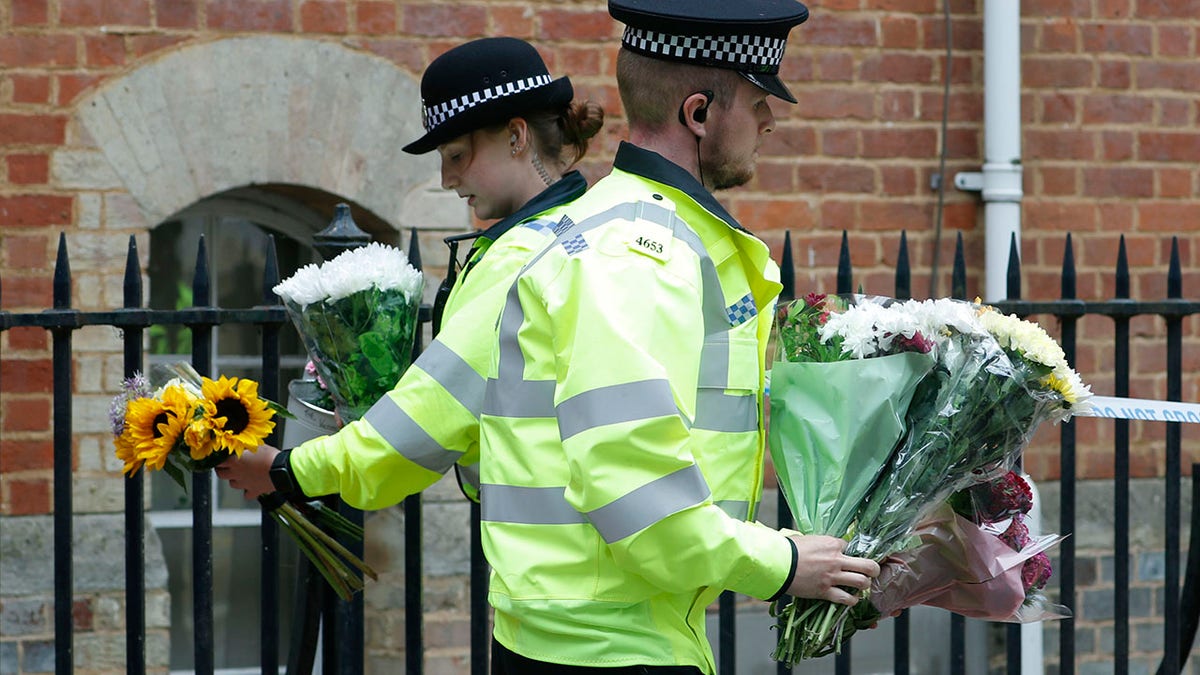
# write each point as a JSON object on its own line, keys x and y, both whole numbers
{"x": 770, "y": 84}
{"x": 496, "y": 111}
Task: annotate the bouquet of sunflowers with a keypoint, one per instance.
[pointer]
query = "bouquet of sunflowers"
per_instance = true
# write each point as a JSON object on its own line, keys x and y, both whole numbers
{"x": 190, "y": 424}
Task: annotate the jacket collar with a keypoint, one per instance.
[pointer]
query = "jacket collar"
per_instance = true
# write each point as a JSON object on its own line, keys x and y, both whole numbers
{"x": 649, "y": 164}
{"x": 566, "y": 189}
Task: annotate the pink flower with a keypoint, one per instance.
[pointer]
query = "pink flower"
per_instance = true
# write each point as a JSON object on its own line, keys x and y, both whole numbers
{"x": 310, "y": 370}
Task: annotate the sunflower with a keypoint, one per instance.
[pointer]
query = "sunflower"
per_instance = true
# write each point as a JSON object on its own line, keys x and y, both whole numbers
{"x": 127, "y": 452}
{"x": 154, "y": 426}
{"x": 199, "y": 437}
{"x": 238, "y": 418}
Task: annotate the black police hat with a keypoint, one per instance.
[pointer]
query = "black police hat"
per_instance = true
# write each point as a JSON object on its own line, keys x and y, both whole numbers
{"x": 743, "y": 35}
{"x": 481, "y": 83}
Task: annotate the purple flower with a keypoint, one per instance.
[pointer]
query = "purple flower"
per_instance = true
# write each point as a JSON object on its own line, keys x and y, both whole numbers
{"x": 131, "y": 388}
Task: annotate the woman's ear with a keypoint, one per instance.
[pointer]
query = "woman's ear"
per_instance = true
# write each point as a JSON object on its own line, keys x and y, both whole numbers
{"x": 518, "y": 136}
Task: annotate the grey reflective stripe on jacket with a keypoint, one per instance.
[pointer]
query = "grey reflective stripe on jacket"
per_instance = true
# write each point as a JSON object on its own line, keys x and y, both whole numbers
{"x": 650, "y": 503}
{"x": 615, "y": 404}
{"x": 400, "y": 431}
{"x": 626, "y": 515}
{"x": 454, "y": 375}
{"x": 527, "y": 505}
{"x": 616, "y": 520}
{"x": 718, "y": 411}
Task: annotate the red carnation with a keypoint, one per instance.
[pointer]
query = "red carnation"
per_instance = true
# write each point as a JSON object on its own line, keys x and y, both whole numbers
{"x": 994, "y": 501}
{"x": 1036, "y": 572}
{"x": 1017, "y": 534}
{"x": 917, "y": 343}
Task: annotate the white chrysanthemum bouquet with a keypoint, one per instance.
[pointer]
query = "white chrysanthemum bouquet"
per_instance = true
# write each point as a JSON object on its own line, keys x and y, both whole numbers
{"x": 357, "y": 315}
{"x": 881, "y": 409}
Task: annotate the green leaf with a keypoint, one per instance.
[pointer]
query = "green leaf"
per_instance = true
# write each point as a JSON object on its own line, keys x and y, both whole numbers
{"x": 175, "y": 472}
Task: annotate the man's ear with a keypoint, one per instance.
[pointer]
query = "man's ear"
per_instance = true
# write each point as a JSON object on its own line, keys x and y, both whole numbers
{"x": 693, "y": 112}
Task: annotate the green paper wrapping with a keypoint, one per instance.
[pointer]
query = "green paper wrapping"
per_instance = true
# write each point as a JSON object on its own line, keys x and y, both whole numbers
{"x": 833, "y": 428}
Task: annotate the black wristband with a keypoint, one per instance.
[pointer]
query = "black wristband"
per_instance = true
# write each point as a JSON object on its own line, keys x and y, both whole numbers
{"x": 282, "y": 477}
{"x": 791, "y": 573}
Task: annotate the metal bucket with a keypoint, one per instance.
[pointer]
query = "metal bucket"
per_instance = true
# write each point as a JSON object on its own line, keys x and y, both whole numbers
{"x": 310, "y": 421}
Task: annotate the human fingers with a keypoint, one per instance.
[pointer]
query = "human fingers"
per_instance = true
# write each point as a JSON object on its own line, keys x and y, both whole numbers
{"x": 841, "y": 596}
{"x": 853, "y": 580}
{"x": 864, "y": 566}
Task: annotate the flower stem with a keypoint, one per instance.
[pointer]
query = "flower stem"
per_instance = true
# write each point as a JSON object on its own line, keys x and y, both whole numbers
{"x": 311, "y": 551}
{"x": 327, "y": 540}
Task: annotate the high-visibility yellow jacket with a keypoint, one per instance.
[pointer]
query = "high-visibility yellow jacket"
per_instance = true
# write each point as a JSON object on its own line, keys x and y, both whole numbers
{"x": 622, "y": 435}
{"x": 430, "y": 420}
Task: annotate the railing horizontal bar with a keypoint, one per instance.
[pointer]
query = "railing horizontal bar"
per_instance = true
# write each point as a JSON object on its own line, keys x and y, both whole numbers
{"x": 141, "y": 318}
{"x": 1112, "y": 308}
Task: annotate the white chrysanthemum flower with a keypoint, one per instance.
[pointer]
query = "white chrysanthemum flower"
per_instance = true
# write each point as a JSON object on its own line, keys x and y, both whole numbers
{"x": 302, "y": 288}
{"x": 372, "y": 266}
{"x": 1077, "y": 394}
{"x": 868, "y": 328}
{"x": 1024, "y": 337}
{"x": 937, "y": 317}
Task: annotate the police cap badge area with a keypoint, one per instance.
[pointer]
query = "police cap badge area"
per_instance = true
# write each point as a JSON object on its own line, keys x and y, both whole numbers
{"x": 481, "y": 83}
{"x": 747, "y": 36}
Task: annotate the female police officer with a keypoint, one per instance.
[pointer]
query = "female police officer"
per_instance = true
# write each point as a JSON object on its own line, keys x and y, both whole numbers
{"x": 506, "y": 133}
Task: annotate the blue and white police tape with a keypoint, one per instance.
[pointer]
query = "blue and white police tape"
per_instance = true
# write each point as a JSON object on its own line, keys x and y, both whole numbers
{"x": 1142, "y": 409}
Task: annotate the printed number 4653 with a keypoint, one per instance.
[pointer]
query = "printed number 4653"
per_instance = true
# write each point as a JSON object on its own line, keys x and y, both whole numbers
{"x": 650, "y": 244}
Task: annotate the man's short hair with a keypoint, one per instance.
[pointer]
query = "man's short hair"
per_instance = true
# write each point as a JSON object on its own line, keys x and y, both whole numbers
{"x": 652, "y": 89}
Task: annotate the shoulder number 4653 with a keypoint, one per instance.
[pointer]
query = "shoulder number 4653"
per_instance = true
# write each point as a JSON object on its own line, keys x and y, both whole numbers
{"x": 650, "y": 244}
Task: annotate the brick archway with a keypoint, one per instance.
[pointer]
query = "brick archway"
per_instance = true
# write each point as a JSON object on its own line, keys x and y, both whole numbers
{"x": 253, "y": 110}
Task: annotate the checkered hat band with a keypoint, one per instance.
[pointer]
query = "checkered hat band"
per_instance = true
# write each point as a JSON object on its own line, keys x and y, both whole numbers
{"x": 765, "y": 53}
{"x": 437, "y": 114}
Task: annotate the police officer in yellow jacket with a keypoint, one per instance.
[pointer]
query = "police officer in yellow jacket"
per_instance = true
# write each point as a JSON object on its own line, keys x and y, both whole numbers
{"x": 506, "y": 133}
{"x": 622, "y": 433}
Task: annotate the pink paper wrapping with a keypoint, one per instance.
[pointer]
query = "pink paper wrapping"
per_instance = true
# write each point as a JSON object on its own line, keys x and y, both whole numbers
{"x": 962, "y": 568}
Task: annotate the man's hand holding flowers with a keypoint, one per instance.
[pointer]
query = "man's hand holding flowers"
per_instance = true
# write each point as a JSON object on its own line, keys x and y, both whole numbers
{"x": 824, "y": 572}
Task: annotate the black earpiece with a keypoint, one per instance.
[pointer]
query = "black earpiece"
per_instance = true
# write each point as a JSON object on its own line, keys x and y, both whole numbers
{"x": 700, "y": 113}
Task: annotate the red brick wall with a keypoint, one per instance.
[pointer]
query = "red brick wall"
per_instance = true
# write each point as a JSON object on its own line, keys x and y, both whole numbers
{"x": 1110, "y": 147}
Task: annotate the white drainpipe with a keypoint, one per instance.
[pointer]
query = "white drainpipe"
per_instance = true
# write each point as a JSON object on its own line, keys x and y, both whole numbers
{"x": 1000, "y": 181}
{"x": 1000, "y": 184}
{"x": 1002, "y": 193}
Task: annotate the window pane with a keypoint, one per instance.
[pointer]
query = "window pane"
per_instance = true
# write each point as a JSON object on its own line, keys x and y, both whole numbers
{"x": 236, "y": 582}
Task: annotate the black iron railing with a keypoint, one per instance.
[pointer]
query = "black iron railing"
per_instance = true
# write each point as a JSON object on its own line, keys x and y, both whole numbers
{"x": 343, "y": 647}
